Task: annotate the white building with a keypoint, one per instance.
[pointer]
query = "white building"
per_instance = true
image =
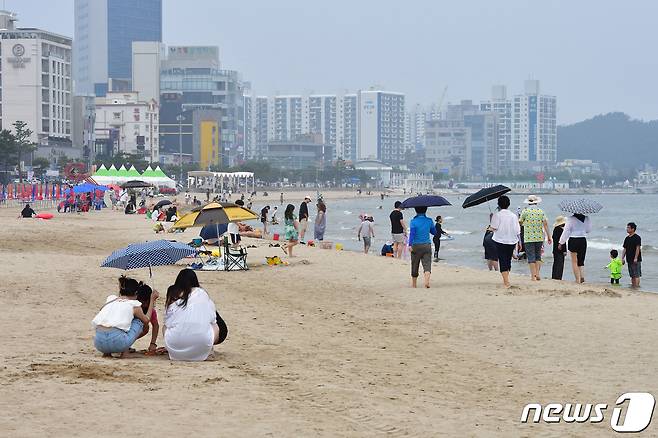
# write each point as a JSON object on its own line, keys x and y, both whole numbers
{"x": 527, "y": 128}
{"x": 381, "y": 126}
{"x": 502, "y": 106}
{"x": 36, "y": 81}
{"x": 448, "y": 147}
{"x": 364, "y": 125}
{"x": 127, "y": 124}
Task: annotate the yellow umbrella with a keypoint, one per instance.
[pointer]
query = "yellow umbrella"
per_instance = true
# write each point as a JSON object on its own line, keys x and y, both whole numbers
{"x": 215, "y": 213}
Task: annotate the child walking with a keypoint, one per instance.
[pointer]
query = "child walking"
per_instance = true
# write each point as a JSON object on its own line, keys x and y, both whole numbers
{"x": 615, "y": 267}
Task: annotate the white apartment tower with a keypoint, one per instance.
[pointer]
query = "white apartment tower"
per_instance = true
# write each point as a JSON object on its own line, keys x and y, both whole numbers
{"x": 35, "y": 80}
{"x": 527, "y": 128}
{"x": 364, "y": 125}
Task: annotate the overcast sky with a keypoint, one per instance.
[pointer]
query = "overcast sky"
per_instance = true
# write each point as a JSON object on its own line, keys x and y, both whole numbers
{"x": 596, "y": 56}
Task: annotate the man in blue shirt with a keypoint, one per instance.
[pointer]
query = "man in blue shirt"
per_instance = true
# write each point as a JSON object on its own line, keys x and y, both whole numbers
{"x": 421, "y": 245}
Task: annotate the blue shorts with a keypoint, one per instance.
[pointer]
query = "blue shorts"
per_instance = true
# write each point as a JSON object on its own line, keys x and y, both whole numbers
{"x": 115, "y": 340}
{"x": 533, "y": 251}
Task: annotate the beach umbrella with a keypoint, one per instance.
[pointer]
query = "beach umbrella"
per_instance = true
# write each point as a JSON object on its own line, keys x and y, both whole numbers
{"x": 162, "y": 204}
{"x": 215, "y": 213}
{"x": 425, "y": 201}
{"x": 580, "y": 206}
{"x": 148, "y": 254}
{"x": 485, "y": 194}
{"x": 135, "y": 184}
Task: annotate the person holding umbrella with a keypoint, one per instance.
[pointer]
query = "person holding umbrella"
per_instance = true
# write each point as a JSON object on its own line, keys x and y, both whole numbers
{"x": 420, "y": 229}
{"x": 575, "y": 233}
{"x": 506, "y": 229}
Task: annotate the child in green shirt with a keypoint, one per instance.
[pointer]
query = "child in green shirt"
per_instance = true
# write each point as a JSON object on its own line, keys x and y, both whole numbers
{"x": 615, "y": 267}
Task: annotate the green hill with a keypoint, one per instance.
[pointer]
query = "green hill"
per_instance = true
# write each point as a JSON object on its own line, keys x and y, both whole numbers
{"x": 614, "y": 139}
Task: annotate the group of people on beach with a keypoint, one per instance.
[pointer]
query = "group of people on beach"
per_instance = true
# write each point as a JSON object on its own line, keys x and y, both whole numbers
{"x": 525, "y": 234}
{"x": 191, "y": 327}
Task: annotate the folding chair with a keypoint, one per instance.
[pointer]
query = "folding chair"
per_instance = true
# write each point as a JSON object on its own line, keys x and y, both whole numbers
{"x": 235, "y": 259}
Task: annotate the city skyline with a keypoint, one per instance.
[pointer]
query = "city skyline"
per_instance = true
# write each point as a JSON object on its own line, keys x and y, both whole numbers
{"x": 582, "y": 69}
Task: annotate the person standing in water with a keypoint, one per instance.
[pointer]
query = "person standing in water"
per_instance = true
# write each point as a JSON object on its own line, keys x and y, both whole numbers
{"x": 437, "y": 237}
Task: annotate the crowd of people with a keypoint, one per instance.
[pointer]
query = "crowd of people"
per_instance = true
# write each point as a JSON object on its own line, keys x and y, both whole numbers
{"x": 511, "y": 236}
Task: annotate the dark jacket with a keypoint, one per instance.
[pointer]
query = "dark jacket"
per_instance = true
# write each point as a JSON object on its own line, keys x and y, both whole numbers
{"x": 303, "y": 211}
{"x": 557, "y": 233}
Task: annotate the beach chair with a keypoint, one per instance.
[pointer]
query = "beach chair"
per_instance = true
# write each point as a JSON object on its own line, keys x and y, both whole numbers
{"x": 235, "y": 259}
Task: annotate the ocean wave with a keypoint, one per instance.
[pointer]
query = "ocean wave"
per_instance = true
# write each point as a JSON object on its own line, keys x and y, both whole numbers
{"x": 447, "y": 218}
{"x": 603, "y": 245}
{"x": 458, "y": 232}
{"x": 347, "y": 212}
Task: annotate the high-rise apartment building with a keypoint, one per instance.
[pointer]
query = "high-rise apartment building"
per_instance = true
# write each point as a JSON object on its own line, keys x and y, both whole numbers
{"x": 527, "y": 128}
{"x": 364, "y": 125}
{"x": 448, "y": 147}
{"x": 35, "y": 80}
{"x": 381, "y": 126}
{"x": 347, "y": 131}
{"x": 104, "y": 33}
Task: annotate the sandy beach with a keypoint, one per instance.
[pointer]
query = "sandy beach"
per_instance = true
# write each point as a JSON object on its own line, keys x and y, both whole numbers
{"x": 335, "y": 344}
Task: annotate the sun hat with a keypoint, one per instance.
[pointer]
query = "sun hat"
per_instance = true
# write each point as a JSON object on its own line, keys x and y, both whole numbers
{"x": 307, "y": 197}
{"x": 560, "y": 220}
{"x": 532, "y": 200}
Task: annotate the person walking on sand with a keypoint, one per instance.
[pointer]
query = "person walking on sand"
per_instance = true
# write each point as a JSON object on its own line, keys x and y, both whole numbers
{"x": 291, "y": 228}
{"x": 303, "y": 219}
{"x": 281, "y": 198}
{"x": 506, "y": 230}
{"x": 575, "y": 236}
{"x": 366, "y": 232}
{"x": 398, "y": 230}
{"x": 558, "y": 253}
{"x": 438, "y": 224}
{"x": 535, "y": 224}
{"x": 632, "y": 254}
{"x": 421, "y": 245}
{"x": 320, "y": 221}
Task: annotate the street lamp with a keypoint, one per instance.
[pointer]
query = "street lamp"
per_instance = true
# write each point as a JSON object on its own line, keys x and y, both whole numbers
{"x": 180, "y": 119}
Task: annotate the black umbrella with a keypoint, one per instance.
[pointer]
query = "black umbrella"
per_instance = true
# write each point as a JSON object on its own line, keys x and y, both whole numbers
{"x": 162, "y": 204}
{"x": 135, "y": 184}
{"x": 425, "y": 201}
{"x": 484, "y": 195}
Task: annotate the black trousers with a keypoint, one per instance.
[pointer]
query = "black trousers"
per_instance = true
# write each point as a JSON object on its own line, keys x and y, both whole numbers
{"x": 437, "y": 247}
{"x": 558, "y": 265}
{"x": 505, "y": 256}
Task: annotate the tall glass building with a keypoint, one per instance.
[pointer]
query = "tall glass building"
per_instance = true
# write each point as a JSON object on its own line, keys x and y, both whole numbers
{"x": 104, "y": 33}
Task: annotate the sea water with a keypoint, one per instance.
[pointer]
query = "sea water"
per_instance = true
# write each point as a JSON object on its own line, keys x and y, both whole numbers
{"x": 467, "y": 227}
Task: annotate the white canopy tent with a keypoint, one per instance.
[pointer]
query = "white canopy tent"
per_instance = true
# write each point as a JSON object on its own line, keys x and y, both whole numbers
{"x": 204, "y": 179}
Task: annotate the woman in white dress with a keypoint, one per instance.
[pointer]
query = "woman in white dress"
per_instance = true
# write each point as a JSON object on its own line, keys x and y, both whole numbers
{"x": 191, "y": 321}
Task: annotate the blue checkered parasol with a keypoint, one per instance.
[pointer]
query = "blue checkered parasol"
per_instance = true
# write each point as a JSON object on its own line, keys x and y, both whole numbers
{"x": 148, "y": 254}
{"x": 580, "y": 206}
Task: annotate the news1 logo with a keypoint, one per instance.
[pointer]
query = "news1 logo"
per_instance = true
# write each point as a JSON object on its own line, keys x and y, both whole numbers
{"x": 639, "y": 412}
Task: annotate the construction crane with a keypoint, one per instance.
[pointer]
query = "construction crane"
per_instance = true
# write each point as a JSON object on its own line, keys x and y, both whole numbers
{"x": 441, "y": 99}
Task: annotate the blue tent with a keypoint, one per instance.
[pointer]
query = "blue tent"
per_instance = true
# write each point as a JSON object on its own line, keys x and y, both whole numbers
{"x": 88, "y": 187}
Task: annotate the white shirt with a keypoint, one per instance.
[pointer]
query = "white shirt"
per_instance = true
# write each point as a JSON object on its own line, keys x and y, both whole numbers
{"x": 575, "y": 228}
{"x": 233, "y": 228}
{"x": 366, "y": 229}
{"x": 188, "y": 330}
{"x": 506, "y": 227}
{"x": 118, "y": 314}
